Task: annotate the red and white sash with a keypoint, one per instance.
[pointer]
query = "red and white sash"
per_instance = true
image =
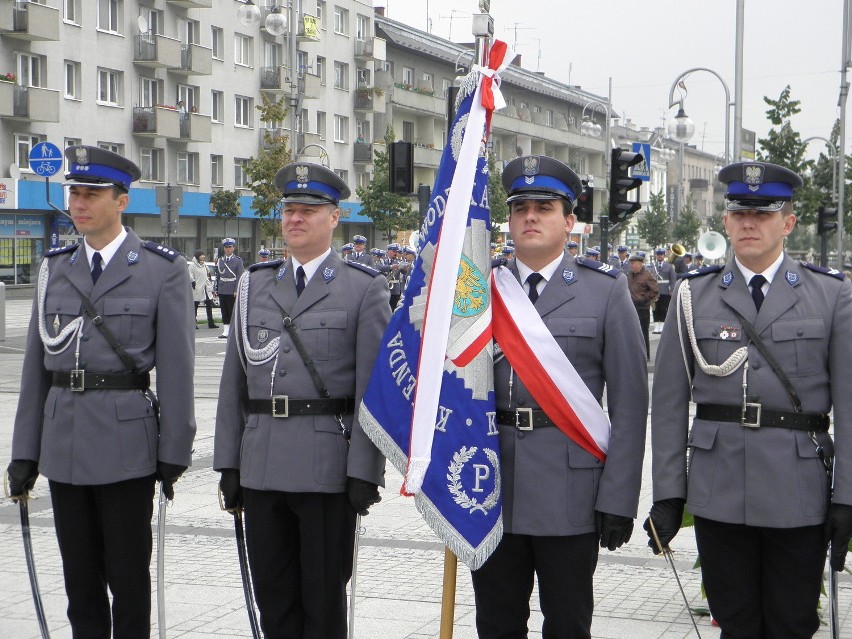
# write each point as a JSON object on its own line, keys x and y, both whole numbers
{"x": 543, "y": 367}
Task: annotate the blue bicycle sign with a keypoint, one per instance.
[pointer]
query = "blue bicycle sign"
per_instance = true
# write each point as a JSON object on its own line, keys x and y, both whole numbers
{"x": 45, "y": 159}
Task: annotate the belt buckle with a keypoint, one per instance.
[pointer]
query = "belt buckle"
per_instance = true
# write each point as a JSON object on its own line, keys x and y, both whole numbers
{"x": 528, "y": 412}
{"x": 285, "y": 399}
{"x": 77, "y": 380}
{"x": 757, "y": 410}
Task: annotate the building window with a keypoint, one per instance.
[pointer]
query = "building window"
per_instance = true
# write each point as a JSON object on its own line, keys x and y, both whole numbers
{"x": 341, "y": 128}
{"x": 186, "y": 94}
{"x": 112, "y": 146}
{"x": 217, "y": 106}
{"x": 71, "y": 10}
{"x": 548, "y": 117}
{"x": 341, "y": 19}
{"x": 428, "y": 82}
{"x": 242, "y": 111}
{"x": 341, "y": 75}
{"x": 407, "y": 131}
{"x": 149, "y": 92}
{"x": 362, "y": 77}
{"x": 362, "y": 180}
{"x": 362, "y": 131}
{"x": 151, "y": 163}
{"x": 240, "y": 177}
{"x": 342, "y": 174}
{"x": 445, "y": 87}
{"x": 218, "y": 40}
{"x": 109, "y": 86}
{"x": 321, "y": 69}
{"x": 23, "y": 145}
{"x": 242, "y": 50}
{"x": 217, "y": 166}
{"x": 72, "y": 80}
{"x": 408, "y": 76}
{"x": 155, "y": 19}
{"x": 72, "y": 142}
{"x": 321, "y": 124}
{"x": 109, "y": 15}
{"x": 187, "y": 168}
{"x": 188, "y": 31}
{"x": 321, "y": 13}
{"x": 30, "y": 70}
{"x": 362, "y": 27}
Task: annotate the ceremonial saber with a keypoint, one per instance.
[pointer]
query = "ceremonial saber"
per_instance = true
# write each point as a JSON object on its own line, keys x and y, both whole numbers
{"x": 244, "y": 572}
{"x": 354, "y": 578}
{"x": 833, "y": 616}
{"x": 161, "y": 564}
{"x": 667, "y": 553}
{"x": 448, "y": 595}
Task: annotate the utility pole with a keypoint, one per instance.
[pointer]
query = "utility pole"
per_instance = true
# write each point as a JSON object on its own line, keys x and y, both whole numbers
{"x": 841, "y": 142}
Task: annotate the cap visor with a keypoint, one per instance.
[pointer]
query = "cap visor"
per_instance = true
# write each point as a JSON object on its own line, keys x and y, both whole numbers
{"x": 769, "y": 206}
{"x": 535, "y": 196}
{"x": 92, "y": 184}
{"x": 304, "y": 198}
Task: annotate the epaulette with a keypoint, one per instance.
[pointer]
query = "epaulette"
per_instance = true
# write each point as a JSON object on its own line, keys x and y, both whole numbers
{"x": 833, "y": 272}
{"x": 497, "y": 262}
{"x": 600, "y": 267}
{"x": 704, "y": 270}
{"x": 363, "y": 267}
{"x": 162, "y": 251}
{"x": 60, "y": 251}
{"x": 260, "y": 265}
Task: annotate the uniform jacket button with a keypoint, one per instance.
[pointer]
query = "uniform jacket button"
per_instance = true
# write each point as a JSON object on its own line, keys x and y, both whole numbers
{"x": 286, "y": 349}
{"x": 521, "y": 401}
{"x": 282, "y": 372}
{"x": 800, "y": 332}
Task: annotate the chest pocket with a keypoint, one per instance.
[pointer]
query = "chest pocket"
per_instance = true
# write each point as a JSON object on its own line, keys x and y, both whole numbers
{"x": 64, "y": 309}
{"x": 795, "y": 345}
{"x": 264, "y": 325}
{"x": 126, "y": 317}
{"x": 576, "y": 338}
{"x": 324, "y": 333}
{"x": 718, "y": 338}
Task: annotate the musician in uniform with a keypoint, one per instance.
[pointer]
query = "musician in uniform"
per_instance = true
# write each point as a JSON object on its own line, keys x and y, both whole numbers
{"x": 359, "y": 252}
{"x": 573, "y": 248}
{"x": 393, "y": 268}
{"x": 230, "y": 267}
{"x": 561, "y": 502}
{"x": 623, "y": 258}
{"x": 664, "y": 274}
{"x": 87, "y": 419}
{"x": 346, "y": 251}
{"x": 263, "y": 255}
{"x": 762, "y": 348}
{"x": 288, "y": 442}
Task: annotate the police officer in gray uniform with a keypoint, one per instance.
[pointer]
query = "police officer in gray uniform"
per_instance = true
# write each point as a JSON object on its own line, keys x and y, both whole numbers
{"x": 359, "y": 252}
{"x": 664, "y": 273}
{"x": 87, "y": 419}
{"x": 288, "y": 442}
{"x": 759, "y": 454}
{"x": 229, "y": 268}
{"x": 560, "y": 502}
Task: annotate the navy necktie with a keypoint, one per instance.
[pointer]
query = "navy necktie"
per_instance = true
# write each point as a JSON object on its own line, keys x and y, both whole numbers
{"x": 533, "y": 279}
{"x": 756, "y": 284}
{"x": 300, "y": 280}
{"x": 97, "y": 269}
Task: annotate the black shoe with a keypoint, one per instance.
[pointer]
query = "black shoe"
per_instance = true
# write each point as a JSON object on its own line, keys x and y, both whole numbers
{"x": 223, "y": 337}
{"x": 196, "y": 327}
{"x": 212, "y": 326}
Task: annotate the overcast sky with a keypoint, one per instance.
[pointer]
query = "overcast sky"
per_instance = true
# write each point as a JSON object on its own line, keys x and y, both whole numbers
{"x": 645, "y": 45}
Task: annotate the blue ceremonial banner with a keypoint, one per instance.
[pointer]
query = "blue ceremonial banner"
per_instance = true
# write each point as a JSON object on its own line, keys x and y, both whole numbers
{"x": 430, "y": 404}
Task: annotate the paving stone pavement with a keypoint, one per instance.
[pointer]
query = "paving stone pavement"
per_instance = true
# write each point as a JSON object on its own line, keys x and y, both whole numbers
{"x": 400, "y": 562}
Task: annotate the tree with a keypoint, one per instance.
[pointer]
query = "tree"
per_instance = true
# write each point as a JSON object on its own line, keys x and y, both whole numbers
{"x": 225, "y": 205}
{"x": 496, "y": 197}
{"x": 716, "y": 222}
{"x": 390, "y": 212}
{"x": 260, "y": 171}
{"x": 688, "y": 226}
{"x": 654, "y": 226}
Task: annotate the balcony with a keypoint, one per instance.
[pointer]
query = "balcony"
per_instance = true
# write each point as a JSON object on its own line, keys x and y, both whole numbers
{"x": 156, "y": 122}
{"x": 195, "y": 127}
{"x": 363, "y": 153}
{"x": 271, "y": 79}
{"x": 426, "y": 156}
{"x": 364, "y": 99}
{"x": 417, "y": 100}
{"x": 270, "y": 137}
{"x": 372, "y": 49}
{"x": 191, "y": 4}
{"x": 310, "y": 86}
{"x": 29, "y": 104}
{"x": 194, "y": 60}
{"x": 26, "y": 20}
{"x": 157, "y": 51}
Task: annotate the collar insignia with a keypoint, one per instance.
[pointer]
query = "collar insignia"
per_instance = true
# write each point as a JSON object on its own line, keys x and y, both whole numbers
{"x": 328, "y": 274}
{"x": 568, "y": 275}
{"x": 792, "y": 277}
{"x": 727, "y": 278}
{"x": 132, "y": 257}
{"x": 281, "y": 272}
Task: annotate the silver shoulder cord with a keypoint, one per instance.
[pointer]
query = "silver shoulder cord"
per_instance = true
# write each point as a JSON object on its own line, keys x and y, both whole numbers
{"x": 248, "y": 355}
{"x": 60, "y": 342}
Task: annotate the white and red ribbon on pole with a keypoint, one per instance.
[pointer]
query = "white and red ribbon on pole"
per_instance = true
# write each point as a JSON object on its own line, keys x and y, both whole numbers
{"x": 544, "y": 368}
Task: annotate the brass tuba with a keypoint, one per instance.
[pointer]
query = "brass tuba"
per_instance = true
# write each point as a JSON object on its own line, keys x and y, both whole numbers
{"x": 677, "y": 250}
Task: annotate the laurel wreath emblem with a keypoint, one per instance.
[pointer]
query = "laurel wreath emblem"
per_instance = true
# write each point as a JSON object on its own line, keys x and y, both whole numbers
{"x": 460, "y": 458}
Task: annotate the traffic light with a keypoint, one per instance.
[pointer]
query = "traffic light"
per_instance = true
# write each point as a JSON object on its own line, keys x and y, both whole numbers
{"x": 584, "y": 209}
{"x": 620, "y": 208}
{"x": 825, "y": 215}
{"x": 401, "y": 167}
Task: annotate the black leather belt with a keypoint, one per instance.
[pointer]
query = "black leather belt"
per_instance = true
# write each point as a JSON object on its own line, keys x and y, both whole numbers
{"x": 524, "y": 418}
{"x": 284, "y": 406}
{"x": 82, "y": 380}
{"x": 755, "y": 416}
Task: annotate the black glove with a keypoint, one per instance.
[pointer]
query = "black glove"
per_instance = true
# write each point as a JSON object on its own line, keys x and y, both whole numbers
{"x": 838, "y": 530}
{"x": 22, "y": 476}
{"x": 169, "y": 474}
{"x": 362, "y": 494}
{"x": 232, "y": 491}
{"x": 614, "y": 530}
{"x": 667, "y": 515}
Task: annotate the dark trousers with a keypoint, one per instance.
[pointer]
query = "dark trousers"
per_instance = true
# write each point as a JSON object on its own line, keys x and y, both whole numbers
{"x": 564, "y": 567}
{"x": 104, "y": 535}
{"x": 226, "y": 304}
{"x": 762, "y": 583}
{"x": 394, "y": 300}
{"x": 300, "y": 548}
{"x": 661, "y": 308}
{"x": 209, "y": 304}
{"x": 644, "y": 323}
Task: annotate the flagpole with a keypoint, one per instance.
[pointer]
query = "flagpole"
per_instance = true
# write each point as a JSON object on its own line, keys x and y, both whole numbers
{"x": 483, "y": 29}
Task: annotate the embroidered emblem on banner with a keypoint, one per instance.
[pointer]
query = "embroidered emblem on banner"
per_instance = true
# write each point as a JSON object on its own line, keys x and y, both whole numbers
{"x": 471, "y": 290}
{"x": 482, "y": 472}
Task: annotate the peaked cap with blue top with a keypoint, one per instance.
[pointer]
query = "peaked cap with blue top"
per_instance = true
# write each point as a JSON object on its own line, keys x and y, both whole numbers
{"x": 758, "y": 185}
{"x": 308, "y": 183}
{"x": 538, "y": 177}
{"x": 96, "y": 167}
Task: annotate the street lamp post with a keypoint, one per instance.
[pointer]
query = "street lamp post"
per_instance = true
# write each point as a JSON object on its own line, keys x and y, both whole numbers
{"x": 681, "y": 129}
{"x": 592, "y": 129}
{"x": 680, "y": 80}
{"x": 833, "y": 149}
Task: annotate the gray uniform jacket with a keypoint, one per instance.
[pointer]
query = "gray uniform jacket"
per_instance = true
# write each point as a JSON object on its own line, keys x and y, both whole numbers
{"x": 769, "y": 476}
{"x": 664, "y": 274}
{"x": 551, "y": 486}
{"x": 340, "y": 317}
{"x": 106, "y": 436}
{"x": 229, "y": 272}
{"x": 364, "y": 258}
